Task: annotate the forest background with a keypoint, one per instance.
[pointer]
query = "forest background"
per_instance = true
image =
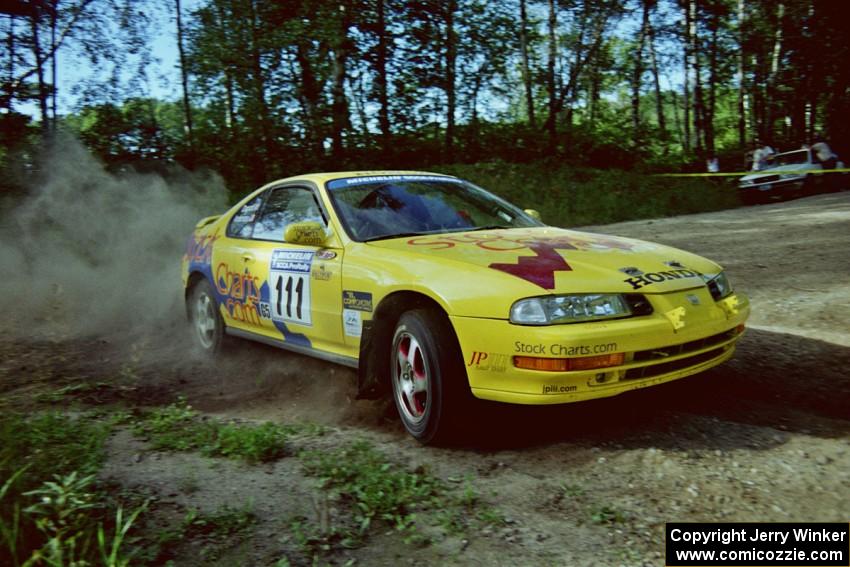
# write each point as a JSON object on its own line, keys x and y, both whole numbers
{"x": 537, "y": 93}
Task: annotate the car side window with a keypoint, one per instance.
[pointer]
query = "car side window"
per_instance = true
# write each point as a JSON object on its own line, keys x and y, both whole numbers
{"x": 243, "y": 221}
{"x": 284, "y": 207}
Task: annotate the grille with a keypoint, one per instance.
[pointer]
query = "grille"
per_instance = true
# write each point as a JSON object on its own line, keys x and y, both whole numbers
{"x": 663, "y": 353}
{"x": 673, "y": 365}
{"x": 766, "y": 179}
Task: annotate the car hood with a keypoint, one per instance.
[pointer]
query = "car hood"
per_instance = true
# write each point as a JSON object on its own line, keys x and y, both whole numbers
{"x": 543, "y": 260}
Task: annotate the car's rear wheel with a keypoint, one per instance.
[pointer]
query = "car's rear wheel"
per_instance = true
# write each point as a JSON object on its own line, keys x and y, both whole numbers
{"x": 429, "y": 383}
{"x": 205, "y": 318}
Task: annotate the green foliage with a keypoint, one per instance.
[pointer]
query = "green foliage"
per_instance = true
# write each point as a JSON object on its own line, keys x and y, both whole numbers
{"x": 377, "y": 489}
{"x": 607, "y": 515}
{"x": 51, "y": 510}
{"x": 178, "y": 427}
{"x": 49, "y": 444}
{"x": 376, "y": 492}
{"x": 225, "y": 522}
{"x": 568, "y": 197}
{"x": 262, "y": 443}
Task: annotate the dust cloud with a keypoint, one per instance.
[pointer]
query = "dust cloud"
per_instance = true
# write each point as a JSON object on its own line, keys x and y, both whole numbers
{"x": 92, "y": 253}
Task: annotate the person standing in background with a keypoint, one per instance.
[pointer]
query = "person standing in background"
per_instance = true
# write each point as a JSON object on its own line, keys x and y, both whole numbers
{"x": 824, "y": 153}
{"x": 761, "y": 155}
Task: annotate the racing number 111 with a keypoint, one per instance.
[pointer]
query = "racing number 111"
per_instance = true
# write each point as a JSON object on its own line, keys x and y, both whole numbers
{"x": 299, "y": 287}
{"x": 296, "y": 305}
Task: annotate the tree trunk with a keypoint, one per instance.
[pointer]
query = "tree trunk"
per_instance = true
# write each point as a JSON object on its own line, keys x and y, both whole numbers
{"x": 451, "y": 62}
{"x": 656, "y": 79}
{"x": 776, "y": 54}
{"x": 184, "y": 80}
{"x": 53, "y": 66}
{"x": 39, "y": 65}
{"x": 230, "y": 121}
{"x": 339, "y": 107}
{"x": 260, "y": 94}
{"x": 686, "y": 110}
{"x": 677, "y": 123}
{"x": 381, "y": 82}
{"x": 637, "y": 76}
{"x": 9, "y": 95}
{"x": 712, "y": 89}
{"x": 699, "y": 99}
{"x": 742, "y": 116}
{"x": 360, "y": 105}
{"x": 310, "y": 97}
{"x": 569, "y": 92}
{"x": 551, "y": 122}
{"x": 526, "y": 72}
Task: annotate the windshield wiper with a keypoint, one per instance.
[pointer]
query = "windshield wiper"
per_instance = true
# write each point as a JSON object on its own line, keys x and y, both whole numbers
{"x": 487, "y": 227}
{"x": 399, "y": 235}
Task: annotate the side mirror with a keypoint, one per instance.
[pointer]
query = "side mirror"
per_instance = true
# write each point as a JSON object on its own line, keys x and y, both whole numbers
{"x": 308, "y": 233}
{"x": 534, "y": 213}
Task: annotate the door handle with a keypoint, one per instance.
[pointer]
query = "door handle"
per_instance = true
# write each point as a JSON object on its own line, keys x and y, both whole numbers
{"x": 248, "y": 257}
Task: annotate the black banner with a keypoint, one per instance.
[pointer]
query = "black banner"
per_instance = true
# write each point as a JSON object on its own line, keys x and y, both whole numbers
{"x": 758, "y": 544}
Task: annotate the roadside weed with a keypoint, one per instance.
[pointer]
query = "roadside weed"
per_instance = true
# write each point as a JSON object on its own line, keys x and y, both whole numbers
{"x": 52, "y": 510}
{"x": 376, "y": 493}
{"x": 226, "y": 521}
{"x": 606, "y": 515}
{"x": 377, "y": 489}
{"x": 178, "y": 427}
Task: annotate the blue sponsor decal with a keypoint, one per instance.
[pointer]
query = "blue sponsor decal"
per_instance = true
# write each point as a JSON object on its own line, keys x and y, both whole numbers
{"x": 297, "y": 261}
{"x": 366, "y": 180}
{"x": 357, "y": 300}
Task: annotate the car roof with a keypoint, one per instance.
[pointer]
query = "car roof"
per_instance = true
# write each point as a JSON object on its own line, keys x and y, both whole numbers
{"x": 791, "y": 152}
{"x": 321, "y": 178}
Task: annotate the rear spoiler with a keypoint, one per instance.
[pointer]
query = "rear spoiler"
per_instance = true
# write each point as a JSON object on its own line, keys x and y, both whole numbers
{"x": 205, "y": 221}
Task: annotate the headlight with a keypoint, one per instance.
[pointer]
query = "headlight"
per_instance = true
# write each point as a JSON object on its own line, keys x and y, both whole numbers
{"x": 719, "y": 286}
{"x": 552, "y": 310}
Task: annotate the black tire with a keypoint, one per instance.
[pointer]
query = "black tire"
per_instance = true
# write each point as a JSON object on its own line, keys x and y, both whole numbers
{"x": 205, "y": 318}
{"x": 429, "y": 382}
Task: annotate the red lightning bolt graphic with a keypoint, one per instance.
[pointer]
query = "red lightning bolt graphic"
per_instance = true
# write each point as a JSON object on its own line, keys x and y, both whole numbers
{"x": 540, "y": 269}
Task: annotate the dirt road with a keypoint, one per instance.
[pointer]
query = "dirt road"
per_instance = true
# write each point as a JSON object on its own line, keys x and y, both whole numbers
{"x": 765, "y": 437}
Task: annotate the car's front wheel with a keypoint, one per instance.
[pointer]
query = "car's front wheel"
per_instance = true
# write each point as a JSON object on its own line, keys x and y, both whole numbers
{"x": 205, "y": 318}
{"x": 428, "y": 379}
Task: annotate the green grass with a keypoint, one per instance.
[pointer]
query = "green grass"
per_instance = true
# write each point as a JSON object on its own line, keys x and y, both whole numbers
{"x": 59, "y": 395}
{"x": 178, "y": 427}
{"x": 375, "y": 488}
{"x": 227, "y": 521}
{"x": 606, "y": 515}
{"x": 50, "y": 444}
{"x": 52, "y": 510}
{"x": 377, "y": 493}
{"x": 570, "y": 197}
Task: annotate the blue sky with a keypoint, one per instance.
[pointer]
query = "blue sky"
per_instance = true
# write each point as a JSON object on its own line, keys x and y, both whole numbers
{"x": 164, "y": 78}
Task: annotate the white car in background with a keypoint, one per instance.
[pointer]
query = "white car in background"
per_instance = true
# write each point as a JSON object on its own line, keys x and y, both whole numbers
{"x": 788, "y": 173}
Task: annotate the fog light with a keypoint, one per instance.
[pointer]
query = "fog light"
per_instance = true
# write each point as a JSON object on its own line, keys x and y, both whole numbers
{"x": 591, "y": 362}
{"x": 567, "y": 364}
{"x": 545, "y": 364}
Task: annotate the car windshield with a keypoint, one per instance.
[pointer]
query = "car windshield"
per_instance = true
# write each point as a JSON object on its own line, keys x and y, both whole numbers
{"x": 801, "y": 156}
{"x": 390, "y": 206}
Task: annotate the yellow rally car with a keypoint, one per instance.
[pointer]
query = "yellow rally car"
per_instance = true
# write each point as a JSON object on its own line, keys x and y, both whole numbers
{"x": 440, "y": 292}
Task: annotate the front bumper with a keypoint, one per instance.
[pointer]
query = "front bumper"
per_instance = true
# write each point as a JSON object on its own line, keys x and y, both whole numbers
{"x": 687, "y": 333}
{"x": 778, "y": 185}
